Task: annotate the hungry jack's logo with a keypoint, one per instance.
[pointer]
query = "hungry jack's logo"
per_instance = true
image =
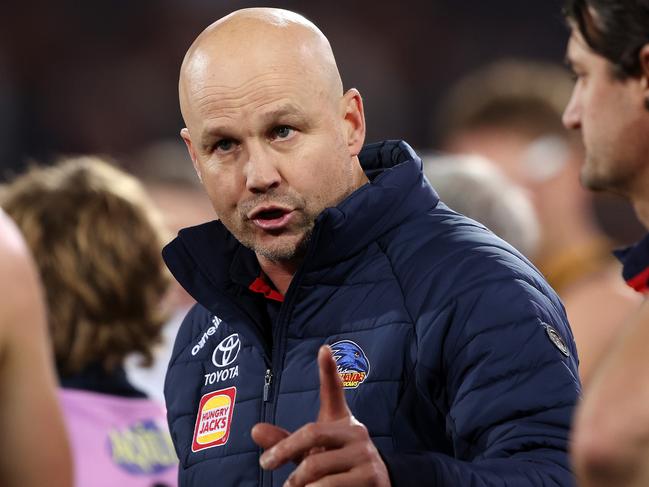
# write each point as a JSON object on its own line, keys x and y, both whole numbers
{"x": 353, "y": 365}
{"x": 214, "y": 419}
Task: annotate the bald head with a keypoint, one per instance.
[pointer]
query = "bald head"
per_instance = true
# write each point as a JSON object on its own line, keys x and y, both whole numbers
{"x": 238, "y": 48}
{"x": 268, "y": 126}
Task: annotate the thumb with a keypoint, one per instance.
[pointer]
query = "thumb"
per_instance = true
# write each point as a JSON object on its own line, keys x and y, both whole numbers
{"x": 267, "y": 435}
{"x": 333, "y": 405}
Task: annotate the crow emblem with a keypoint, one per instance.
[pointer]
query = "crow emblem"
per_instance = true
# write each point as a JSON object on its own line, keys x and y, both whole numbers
{"x": 353, "y": 365}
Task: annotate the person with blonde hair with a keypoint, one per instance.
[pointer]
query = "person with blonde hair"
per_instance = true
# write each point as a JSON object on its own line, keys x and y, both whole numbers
{"x": 96, "y": 239}
{"x": 30, "y": 416}
{"x": 165, "y": 172}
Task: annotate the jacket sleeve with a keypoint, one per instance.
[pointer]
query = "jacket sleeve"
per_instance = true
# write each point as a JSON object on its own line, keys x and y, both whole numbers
{"x": 181, "y": 394}
{"x": 506, "y": 385}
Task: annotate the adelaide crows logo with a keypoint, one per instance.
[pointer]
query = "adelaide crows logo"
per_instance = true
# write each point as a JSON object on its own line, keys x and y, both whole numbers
{"x": 353, "y": 366}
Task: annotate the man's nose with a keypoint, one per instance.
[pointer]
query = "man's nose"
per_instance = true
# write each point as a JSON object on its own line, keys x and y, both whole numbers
{"x": 572, "y": 114}
{"x": 262, "y": 173}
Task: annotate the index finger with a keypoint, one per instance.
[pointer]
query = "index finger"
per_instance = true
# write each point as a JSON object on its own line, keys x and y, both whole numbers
{"x": 333, "y": 405}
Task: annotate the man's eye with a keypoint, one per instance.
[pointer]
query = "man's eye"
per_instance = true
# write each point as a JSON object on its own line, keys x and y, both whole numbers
{"x": 576, "y": 77}
{"x": 224, "y": 145}
{"x": 282, "y": 131}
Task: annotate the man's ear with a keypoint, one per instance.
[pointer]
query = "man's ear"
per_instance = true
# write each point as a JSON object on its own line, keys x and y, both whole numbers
{"x": 354, "y": 119}
{"x": 184, "y": 133}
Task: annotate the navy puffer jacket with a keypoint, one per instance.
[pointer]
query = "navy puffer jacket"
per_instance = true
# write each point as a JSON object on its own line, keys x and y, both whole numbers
{"x": 454, "y": 351}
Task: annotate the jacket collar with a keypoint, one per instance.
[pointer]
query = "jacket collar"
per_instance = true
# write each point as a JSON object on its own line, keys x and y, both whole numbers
{"x": 203, "y": 258}
{"x": 635, "y": 264}
{"x": 95, "y": 379}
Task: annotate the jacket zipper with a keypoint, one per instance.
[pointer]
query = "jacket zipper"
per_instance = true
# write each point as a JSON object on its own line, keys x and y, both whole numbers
{"x": 274, "y": 374}
{"x": 268, "y": 379}
{"x": 264, "y": 476}
{"x": 271, "y": 379}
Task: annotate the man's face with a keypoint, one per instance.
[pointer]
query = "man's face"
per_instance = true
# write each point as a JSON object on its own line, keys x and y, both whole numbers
{"x": 611, "y": 116}
{"x": 271, "y": 149}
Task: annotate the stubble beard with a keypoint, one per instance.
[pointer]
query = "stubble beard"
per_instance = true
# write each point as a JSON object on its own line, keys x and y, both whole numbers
{"x": 285, "y": 253}
{"x": 591, "y": 181}
{"x": 614, "y": 180}
{"x": 283, "y": 247}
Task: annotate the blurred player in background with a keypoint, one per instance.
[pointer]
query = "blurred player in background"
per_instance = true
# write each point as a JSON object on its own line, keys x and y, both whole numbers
{"x": 510, "y": 112}
{"x": 96, "y": 239}
{"x": 477, "y": 188}
{"x": 608, "y": 51}
{"x": 170, "y": 180}
{"x": 33, "y": 441}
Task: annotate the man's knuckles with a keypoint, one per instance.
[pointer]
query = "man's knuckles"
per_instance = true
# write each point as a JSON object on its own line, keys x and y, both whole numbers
{"x": 358, "y": 429}
{"x": 311, "y": 469}
{"x": 314, "y": 434}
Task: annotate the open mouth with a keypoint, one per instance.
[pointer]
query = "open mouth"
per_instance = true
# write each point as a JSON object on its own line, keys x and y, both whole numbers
{"x": 272, "y": 219}
{"x": 270, "y": 214}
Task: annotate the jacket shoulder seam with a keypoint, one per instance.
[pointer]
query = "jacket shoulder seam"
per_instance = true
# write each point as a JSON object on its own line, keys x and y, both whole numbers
{"x": 398, "y": 281}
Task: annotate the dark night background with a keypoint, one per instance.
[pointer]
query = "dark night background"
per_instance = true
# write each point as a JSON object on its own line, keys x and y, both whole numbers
{"x": 100, "y": 76}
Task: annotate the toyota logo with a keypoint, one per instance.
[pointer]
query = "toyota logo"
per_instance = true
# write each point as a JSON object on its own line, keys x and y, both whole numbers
{"x": 227, "y": 351}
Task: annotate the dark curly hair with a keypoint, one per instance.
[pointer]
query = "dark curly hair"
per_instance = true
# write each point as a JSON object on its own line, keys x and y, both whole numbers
{"x": 614, "y": 29}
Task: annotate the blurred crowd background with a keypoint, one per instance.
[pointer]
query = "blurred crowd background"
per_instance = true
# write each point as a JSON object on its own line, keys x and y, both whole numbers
{"x": 101, "y": 77}
{"x": 452, "y": 78}
{"x": 468, "y": 77}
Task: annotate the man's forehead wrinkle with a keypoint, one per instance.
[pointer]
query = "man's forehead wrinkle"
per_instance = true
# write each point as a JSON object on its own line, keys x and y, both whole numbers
{"x": 259, "y": 86}
{"x": 264, "y": 108}
{"x": 267, "y": 104}
{"x": 267, "y": 111}
{"x": 230, "y": 107}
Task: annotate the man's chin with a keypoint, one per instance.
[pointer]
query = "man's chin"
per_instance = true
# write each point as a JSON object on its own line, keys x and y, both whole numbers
{"x": 590, "y": 179}
{"x": 593, "y": 184}
{"x": 277, "y": 254}
{"x": 601, "y": 183}
{"x": 283, "y": 249}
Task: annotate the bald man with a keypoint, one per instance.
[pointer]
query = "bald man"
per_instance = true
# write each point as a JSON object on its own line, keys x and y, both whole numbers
{"x": 34, "y": 445}
{"x": 350, "y": 330}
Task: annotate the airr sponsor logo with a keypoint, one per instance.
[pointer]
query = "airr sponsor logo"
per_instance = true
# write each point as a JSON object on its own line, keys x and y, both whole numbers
{"x": 216, "y": 321}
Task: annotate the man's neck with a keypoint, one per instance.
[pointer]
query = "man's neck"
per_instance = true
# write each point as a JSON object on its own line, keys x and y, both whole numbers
{"x": 280, "y": 273}
{"x": 641, "y": 206}
{"x": 639, "y": 196}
